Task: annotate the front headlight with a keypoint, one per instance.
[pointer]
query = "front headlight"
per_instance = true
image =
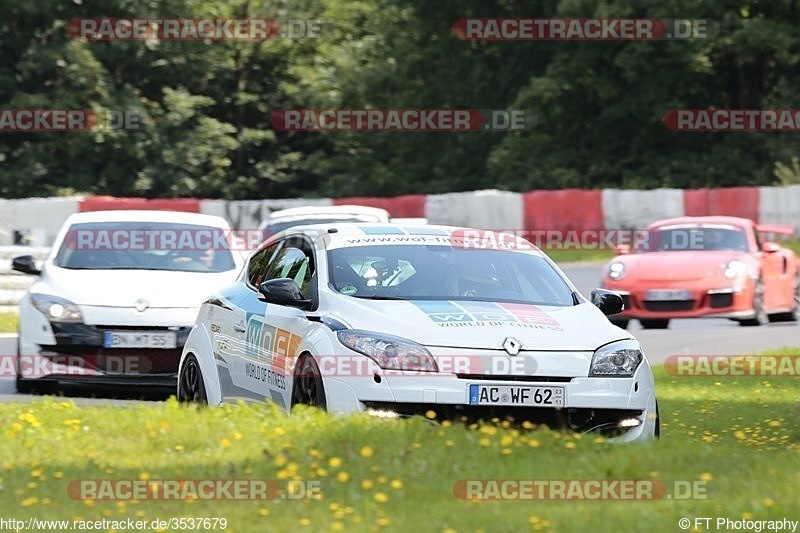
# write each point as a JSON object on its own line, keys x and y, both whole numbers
{"x": 390, "y": 352}
{"x": 56, "y": 309}
{"x": 616, "y": 360}
{"x": 616, "y": 270}
{"x": 735, "y": 269}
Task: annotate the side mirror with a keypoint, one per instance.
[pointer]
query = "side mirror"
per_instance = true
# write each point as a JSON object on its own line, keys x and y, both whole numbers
{"x": 609, "y": 302}
{"x": 25, "y": 264}
{"x": 622, "y": 249}
{"x": 283, "y": 291}
{"x": 770, "y": 247}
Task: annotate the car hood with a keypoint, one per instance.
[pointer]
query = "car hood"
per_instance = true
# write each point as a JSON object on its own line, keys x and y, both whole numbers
{"x": 122, "y": 288}
{"x": 678, "y": 266}
{"x": 482, "y": 325}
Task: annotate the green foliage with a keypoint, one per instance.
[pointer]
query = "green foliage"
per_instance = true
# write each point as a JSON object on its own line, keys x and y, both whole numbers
{"x": 599, "y": 105}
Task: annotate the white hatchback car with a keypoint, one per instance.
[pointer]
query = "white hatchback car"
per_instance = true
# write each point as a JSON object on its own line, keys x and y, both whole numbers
{"x": 117, "y": 295}
{"x": 401, "y": 320}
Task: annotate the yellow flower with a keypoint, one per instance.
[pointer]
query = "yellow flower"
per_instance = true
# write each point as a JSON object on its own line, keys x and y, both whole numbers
{"x": 449, "y": 530}
{"x": 383, "y": 521}
{"x": 396, "y": 484}
{"x": 280, "y": 431}
{"x": 224, "y": 443}
{"x": 740, "y": 435}
{"x": 366, "y": 484}
{"x": 334, "y": 462}
{"x": 305, "y": 522}
{"x": 747, "y": 516}
{"x": 366, "y": 451}
{"x": 36, "y": 473}
{"x": 506, "y": 451}
{"x": 381, "y": 497}
{"x": 485, "y": 442}
{"x": 430, "y": 413}
{"x": 569, "y": 444}
{"x": 263, "y": 511}
{"x": 768, "y": 502}
{"x": 144, "y": 476}
{"x": 706, "y": 476}
{"x": 344, "y": 477}
{"x": 337, "y": 526}
{"x": 533, "y": 443}
{"x": 58, "y": 475}
{"x": 27, "y": 502}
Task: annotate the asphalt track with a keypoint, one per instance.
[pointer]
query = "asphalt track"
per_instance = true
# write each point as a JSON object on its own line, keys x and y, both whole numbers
{"x": 684, "y": 337}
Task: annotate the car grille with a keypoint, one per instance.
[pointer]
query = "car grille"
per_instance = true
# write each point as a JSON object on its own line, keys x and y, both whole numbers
{"x": 674, "y": 305}
{"x": 720, "y": 300}
{"x": 506, "y": 377}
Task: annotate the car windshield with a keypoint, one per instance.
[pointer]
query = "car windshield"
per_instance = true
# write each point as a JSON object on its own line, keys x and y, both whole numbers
{"x": 145, "y": 246}
{"x": 417, "y": 272}
{"x": 277, "y": 227}
{"x": 695, "y": 238}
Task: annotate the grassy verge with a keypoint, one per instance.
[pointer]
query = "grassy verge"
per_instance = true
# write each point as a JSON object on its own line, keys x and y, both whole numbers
{"x": 8, "y": 322}
{"x": 378, "y": 474}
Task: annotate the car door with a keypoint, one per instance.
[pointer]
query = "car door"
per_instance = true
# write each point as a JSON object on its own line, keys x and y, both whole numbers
{"x": 235, "y": 339}
{"x": 274, "y": 336}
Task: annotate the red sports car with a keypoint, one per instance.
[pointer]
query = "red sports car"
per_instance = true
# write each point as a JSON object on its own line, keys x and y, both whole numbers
{"x": 712, "y": 266}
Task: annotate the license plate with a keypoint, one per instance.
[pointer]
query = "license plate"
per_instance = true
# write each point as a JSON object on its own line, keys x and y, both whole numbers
{"x": 668, "y": 294}
{"x": 523, "y": 395}
{"x": 140, "y": 339}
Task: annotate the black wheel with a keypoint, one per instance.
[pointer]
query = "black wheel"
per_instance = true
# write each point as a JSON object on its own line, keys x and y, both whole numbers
{"x": 658, "y": 423}
{"x": 191, "y": 387}
{"x": 620, "y": 322}
{"x": 655, "y": 323}
{"x": 308, "y": 388}
{"x": 760, "y": 315}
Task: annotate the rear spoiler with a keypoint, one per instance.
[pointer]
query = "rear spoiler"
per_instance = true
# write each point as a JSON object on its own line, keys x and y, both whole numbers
{"x": 780, "y": 229}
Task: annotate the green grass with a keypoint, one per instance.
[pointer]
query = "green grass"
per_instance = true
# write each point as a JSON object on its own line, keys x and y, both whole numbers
{"x": 572, "y": 255}
{"x": 8, "y": 322}
{"x": 740, "y": 433}
{"x": 602, "y": 255}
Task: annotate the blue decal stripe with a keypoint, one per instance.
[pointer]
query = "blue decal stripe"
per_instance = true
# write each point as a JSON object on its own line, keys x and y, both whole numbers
{"x": 426, "y": 231}
{"x": 437, "y": 306}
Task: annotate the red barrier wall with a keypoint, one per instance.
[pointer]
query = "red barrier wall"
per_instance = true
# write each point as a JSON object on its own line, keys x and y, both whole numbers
{"x": 564, "y": 210}
{"x": 732, "y": 201}
{"x": 407, "y": 206}
{"x": 111, "y": 203}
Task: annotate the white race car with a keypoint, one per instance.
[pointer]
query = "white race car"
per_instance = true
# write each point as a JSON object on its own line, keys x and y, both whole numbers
{"x": 117, "y": 296}
{"x": 402, "y": 320}
{"x": 284, "y": 219}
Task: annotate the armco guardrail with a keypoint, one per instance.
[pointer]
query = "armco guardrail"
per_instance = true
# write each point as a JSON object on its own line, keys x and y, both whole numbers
{"x": 36, "y": 221}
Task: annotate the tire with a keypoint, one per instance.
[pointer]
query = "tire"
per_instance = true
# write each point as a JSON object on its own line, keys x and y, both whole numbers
{"x": 761, "y": 316}
{"x": 657, "y": 433}
{"x": 191, "y": 387}
{"x": 308, "y": 387}
{"x": 620, "y": 322}
{"x": 654, "y": 323}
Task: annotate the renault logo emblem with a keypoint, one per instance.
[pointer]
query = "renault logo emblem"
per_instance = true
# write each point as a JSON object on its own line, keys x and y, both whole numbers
{"x": 141, "y": 305}
{"x": 511, "y": 345}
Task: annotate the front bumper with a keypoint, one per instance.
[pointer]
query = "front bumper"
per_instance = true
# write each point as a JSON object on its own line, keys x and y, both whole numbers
{"x": 78, "y": 356}
{"x": 623, "y": 408}
{"x": 733, "y": 301}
